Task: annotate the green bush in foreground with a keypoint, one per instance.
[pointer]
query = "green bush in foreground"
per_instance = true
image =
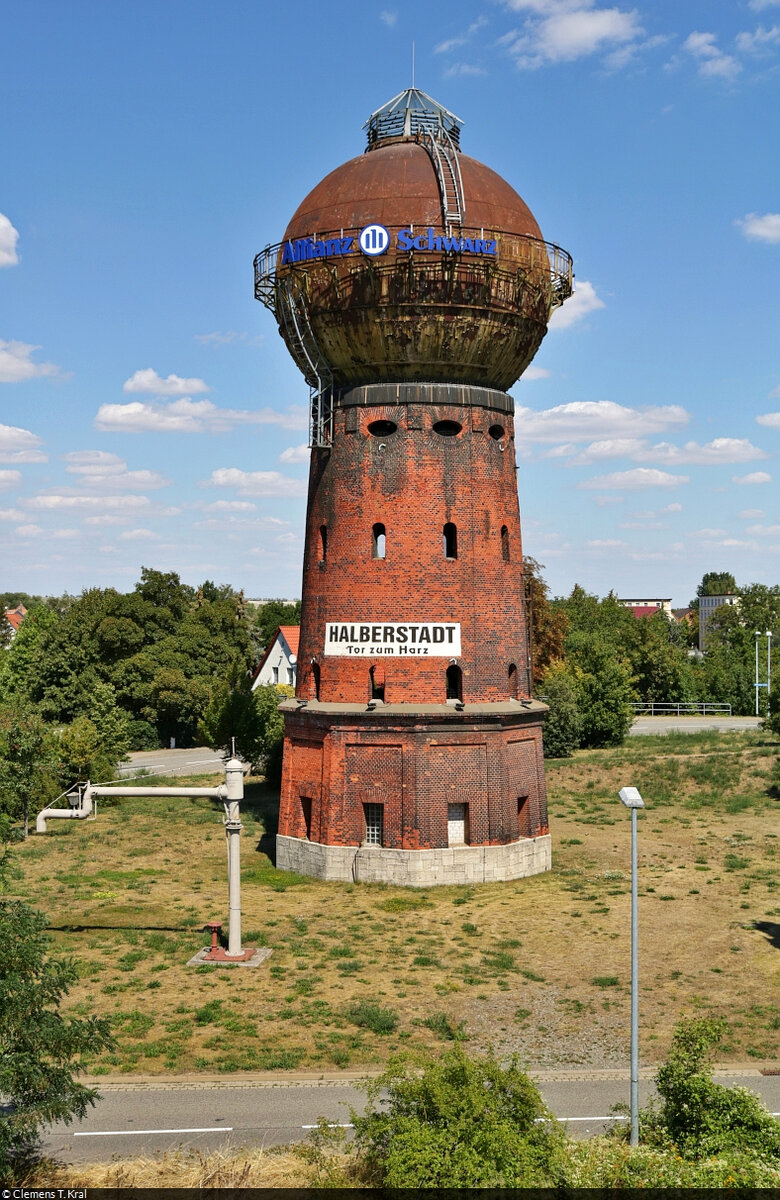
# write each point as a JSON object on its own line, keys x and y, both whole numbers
{"x": 457, "y": 1122}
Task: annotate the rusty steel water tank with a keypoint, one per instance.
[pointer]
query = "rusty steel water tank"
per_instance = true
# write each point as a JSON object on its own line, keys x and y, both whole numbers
{"x": 413, "y": 262}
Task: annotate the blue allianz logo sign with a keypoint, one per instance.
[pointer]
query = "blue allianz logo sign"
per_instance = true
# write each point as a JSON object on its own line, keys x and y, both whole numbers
{"x": 374, "y": 240}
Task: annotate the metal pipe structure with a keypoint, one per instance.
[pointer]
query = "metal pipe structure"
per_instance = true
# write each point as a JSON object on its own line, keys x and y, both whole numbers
{"x": 631, "y": 798}
{"x": 231, "y": 793}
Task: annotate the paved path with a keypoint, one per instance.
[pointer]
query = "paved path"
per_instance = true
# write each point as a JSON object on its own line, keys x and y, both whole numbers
{"x": 199, "y": 760}
{"x": 693, "y": 724}
{"x": 134, "y": 1117}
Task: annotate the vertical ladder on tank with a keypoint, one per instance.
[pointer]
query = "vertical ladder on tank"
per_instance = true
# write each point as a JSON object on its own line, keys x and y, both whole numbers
{"x": 444, "y": 156}
{"x": 293, "y": 316}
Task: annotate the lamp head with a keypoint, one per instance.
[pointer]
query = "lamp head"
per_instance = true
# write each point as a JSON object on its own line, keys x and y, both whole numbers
{"x": 631, "y": 798}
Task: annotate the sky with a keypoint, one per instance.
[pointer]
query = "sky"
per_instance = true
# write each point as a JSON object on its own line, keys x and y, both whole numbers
{"x": 150, "y": 414}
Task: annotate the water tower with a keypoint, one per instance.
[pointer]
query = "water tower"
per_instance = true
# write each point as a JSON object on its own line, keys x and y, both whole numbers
{"x": 412, "y": 288}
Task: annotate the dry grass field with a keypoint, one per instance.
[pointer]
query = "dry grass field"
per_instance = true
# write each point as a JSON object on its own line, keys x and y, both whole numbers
{"x": 539, "y": 967}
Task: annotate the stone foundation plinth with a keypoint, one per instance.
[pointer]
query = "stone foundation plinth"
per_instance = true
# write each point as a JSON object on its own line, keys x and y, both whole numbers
{"x": 415, "y": 868}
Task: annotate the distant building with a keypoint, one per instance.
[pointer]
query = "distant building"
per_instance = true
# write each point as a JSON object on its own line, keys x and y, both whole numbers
{"x": 648, "y": 608}
{"x": 279, "y": 663}
{"x": 707, "y": 606}
{"x": 14, "y": 617}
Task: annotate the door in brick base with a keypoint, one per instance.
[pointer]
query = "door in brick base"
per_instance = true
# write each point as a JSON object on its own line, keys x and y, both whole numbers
{"x": 457, "y": 824}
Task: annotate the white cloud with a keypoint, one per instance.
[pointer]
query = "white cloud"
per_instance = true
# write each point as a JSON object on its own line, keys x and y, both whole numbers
{"x": 388, "y": 17}
{"x": 607, "y": 448}
{"x": 463, "y": 69}
{"x": 230, "y": 506}
{"x": 295, "y": 454}
{"x": 605, "y": 544}
{"x": 533, "y": 372}
{"x": 566, "y": 30}
{"x": 764, "y": 530}
{"x": 640, "y": 477}
{"x": 147, "y": 380}
{"x": 9, "y": 479}
{"x": 582, "y": 301}
{"x": 583, "y": 420}
{"x": 99, "y": 469}
{"x": 765, "y": 228}
{"x": 28, "y": 531}
{"x": 53, "y": 501}
{"x": 719, "y": 450}
{"x": 751, "y": 514}
{"x": 11, "y": 514}
{"x": 8, "y": 239}
{"x": 758, "y": 42}
{"x": 258, "y": 483}
{"x": 709, "y": 533}
{"x": 16, "y": 365}
{"x": 771, "y": 420}
{"x": 138, "y": 535}
{"x": 20, "y": 446}
{"x": 65, "y": 535}
{"x": 711, "y": 59}
{"x": 755, "y": 477}
{"x": 760, "y": 5}
{"x": 190, "y": 416}
{"x": 108, "y": 519}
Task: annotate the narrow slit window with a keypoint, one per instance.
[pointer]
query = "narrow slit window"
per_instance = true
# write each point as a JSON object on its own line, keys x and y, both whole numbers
{"x": 450, "y": 540}
{"x": 523, "y": 817}
{"x": 315, "y": 674}
{"x": 512, "y": 681}
{"x": 373, "y": 815}
{"x": 378, "y": 541}
{"x": 323, "y": 542}
{"x": 505, "y": 543}
{"x": 454, "y": 683}
{"x": 306, "y": 809}
{"x": 376, "y": 682}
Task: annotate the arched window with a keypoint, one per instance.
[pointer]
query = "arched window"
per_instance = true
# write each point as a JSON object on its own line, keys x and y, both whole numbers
{"x": 376, "y": 681}
{"x": 323, "y": 542}
{"x": 512, "y": 672}
{"x": 378, "y": 541}
{"x": 450, "y": 540}
{"x": 315, "y": 674}
{"x": 454, "y": 683}
{"x": 505, "y": 543}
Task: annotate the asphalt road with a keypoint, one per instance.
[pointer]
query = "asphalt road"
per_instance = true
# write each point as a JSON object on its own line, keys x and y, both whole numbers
{"x": 148, "y": 1119}
{"x": 693, "y": 724}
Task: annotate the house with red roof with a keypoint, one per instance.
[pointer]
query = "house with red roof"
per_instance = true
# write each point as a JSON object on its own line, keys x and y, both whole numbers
{"x": 278, "y": 664}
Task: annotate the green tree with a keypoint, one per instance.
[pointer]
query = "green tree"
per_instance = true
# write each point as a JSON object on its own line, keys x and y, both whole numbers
{"x": 659, "y": 661}
{"x": 94, "y": 744}
{"x": 268, "y": 697}
{"x": 702, "y": 1118}
{"x": 456, "y": 1122}
{"x": 232, "y": 715}
{"x": 41, "y": 1052}
{"x": 606, "y": 690}
{"x": 563, "y": 724}
{"x": 28, "y": 761}
{"x": 715, "y": 583}
{"x": 549, "y": 624}
{"x": 272, "y": 614}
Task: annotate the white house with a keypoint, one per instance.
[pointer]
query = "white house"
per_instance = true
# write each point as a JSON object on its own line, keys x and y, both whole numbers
{"x": 278, "y": 664}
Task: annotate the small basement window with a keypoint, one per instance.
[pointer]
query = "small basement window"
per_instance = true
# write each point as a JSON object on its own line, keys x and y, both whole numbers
{"x": 447, "y": 428}
{"x": 378, "y": 541}
{"x": 373, "y": 815}
{"x": 450, "y": 540}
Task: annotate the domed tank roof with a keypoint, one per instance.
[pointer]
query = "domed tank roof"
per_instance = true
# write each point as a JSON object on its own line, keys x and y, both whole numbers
{"x": 413, "y": 262}
{"x": 396, "y": 184}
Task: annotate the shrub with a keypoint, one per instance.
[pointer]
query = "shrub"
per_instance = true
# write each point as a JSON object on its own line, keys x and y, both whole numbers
{"x": 457, "y": 1122}
{"x": 698, "y": 1116}
{"x": 563, "y": 723}
{"x": 368, "y": 1015}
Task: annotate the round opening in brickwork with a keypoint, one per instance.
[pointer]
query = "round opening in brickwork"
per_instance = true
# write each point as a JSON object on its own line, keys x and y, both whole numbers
{"x": 382, "y": 428}
{"x": 447, "y": 428}
{"x": 497, "y": 432}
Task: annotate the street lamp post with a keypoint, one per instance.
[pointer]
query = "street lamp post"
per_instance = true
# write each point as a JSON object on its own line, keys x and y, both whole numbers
{"x": 758, "y": 685}
{"x": 768, "y": 670}
{"x": 631, "y": 798}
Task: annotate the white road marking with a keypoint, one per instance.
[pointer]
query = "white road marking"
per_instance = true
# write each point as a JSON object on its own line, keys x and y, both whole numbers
{"x": 147, "y": 1132}
{"x": 330, "y": 1125}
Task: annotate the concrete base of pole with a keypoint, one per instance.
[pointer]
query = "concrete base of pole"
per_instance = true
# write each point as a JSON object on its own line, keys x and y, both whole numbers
{"x": 220, "y": 958}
